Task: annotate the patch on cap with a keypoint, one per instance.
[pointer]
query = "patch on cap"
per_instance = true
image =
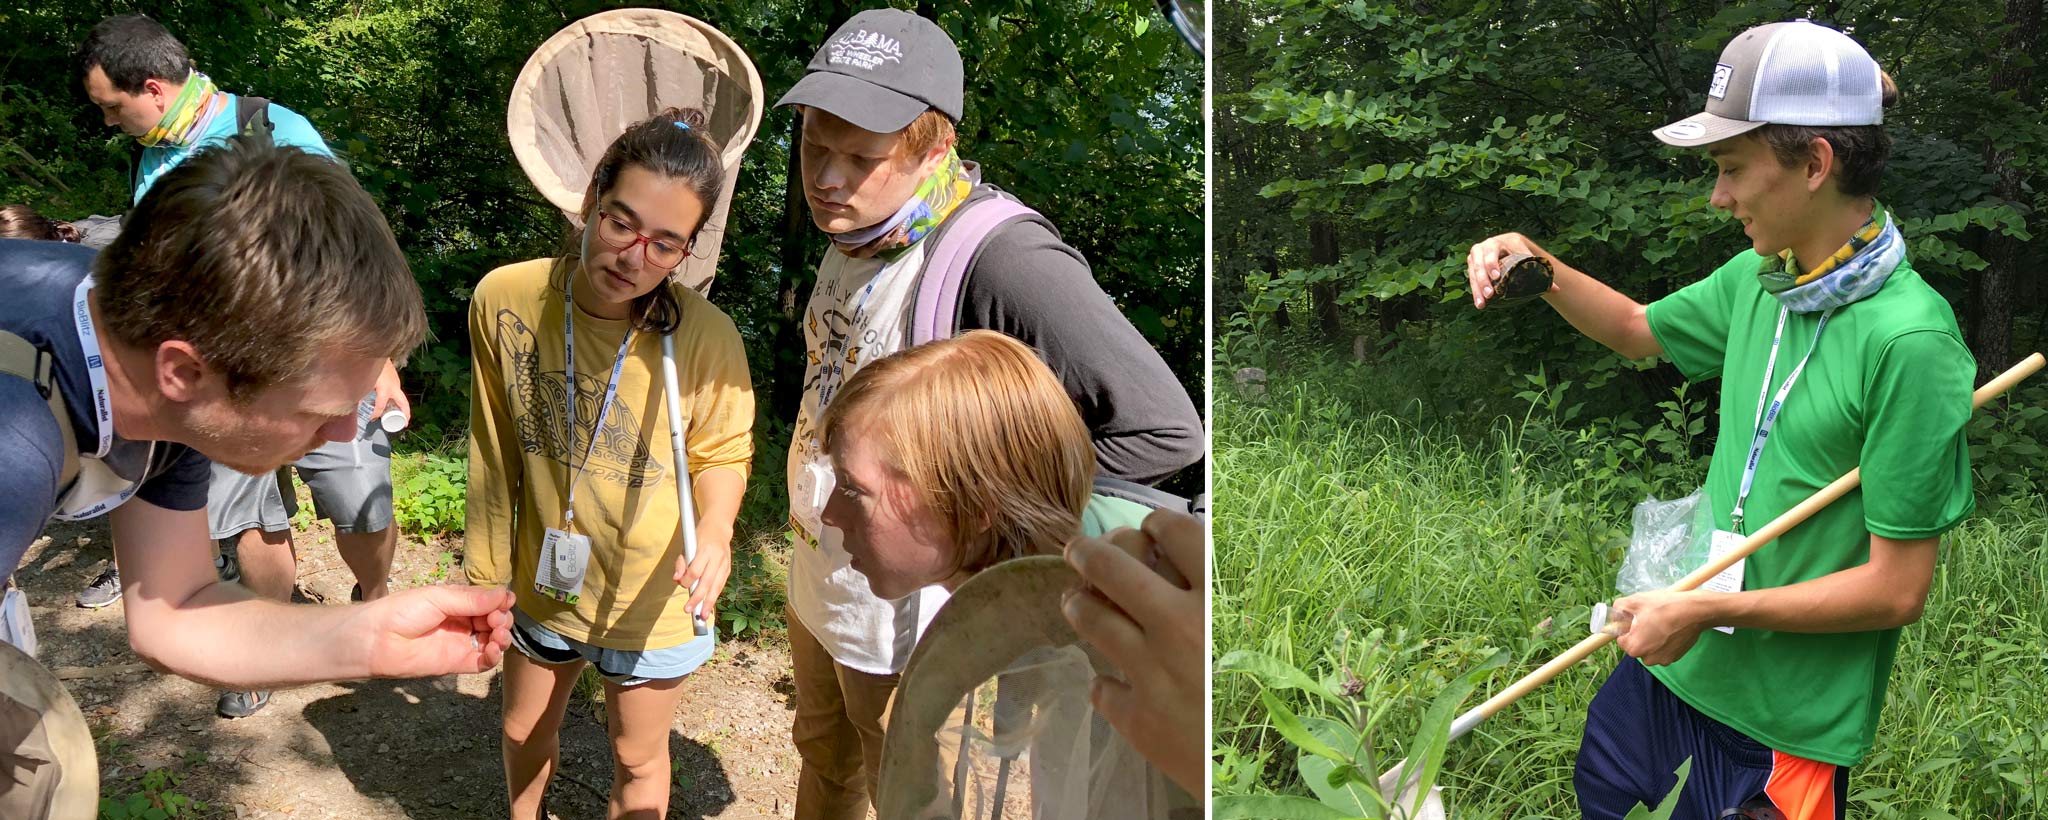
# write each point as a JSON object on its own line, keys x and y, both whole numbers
{"x": 1719, "y": 90}
{"x": 864, "y": 50}
{"x": 1685, "y": 130}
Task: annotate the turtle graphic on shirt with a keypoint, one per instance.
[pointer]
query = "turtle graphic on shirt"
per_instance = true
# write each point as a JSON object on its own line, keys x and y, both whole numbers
{"x": 621, "y": 456}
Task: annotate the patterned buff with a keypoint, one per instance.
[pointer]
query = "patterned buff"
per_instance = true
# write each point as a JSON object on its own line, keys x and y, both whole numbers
{"x": 936, "y": 198}
{"x": 188, "y": 116}
{"x": 1854, "y": 272}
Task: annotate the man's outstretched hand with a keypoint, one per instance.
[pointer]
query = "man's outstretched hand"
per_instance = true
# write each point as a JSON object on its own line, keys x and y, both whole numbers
{"x": 438, "y": 630}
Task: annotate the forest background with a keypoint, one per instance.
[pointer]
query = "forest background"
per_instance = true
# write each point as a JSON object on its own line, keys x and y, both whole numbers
{"x": 1089, "y": 111}
{"x": 1407, "y": 487}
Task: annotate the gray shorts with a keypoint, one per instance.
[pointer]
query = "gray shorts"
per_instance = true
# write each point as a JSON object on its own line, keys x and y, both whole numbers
{"x": 350, "y": 482}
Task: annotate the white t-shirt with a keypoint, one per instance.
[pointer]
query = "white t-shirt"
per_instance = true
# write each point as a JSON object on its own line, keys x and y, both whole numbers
{"x": 848, "y": 325}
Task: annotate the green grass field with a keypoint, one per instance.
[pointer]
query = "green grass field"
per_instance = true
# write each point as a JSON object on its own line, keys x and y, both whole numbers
{"x": 1386, "y": 557}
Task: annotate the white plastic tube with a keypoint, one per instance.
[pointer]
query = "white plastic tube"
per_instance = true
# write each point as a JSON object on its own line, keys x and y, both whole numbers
{"x": 686, "y": 507}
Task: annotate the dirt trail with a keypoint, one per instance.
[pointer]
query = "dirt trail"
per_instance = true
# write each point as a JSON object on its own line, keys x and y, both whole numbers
{"x": 390, "y": 749}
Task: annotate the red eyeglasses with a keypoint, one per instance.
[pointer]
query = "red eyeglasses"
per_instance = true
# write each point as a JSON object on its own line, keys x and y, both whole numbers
{"x": 661, "y": 253}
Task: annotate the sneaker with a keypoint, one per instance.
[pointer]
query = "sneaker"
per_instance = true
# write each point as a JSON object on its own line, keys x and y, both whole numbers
{"x": 103, "y": 590}
{"x": 241, "y": 704}
{"x": 227, "y": 567}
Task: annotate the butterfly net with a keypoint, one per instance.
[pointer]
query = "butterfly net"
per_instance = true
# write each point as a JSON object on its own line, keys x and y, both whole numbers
{"x": 585, "y": 85}
{"x": 47, "y": 767}
{"x": 992, "y": 719}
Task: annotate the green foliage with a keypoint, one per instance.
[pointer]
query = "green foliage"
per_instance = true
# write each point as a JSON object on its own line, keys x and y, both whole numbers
{"x": 1345, "y": 713}
{"x": 1413, "y": 133}
{"x": 428, "y": 491}
{"x": 1348, "y": 505}
{"x": 156, "y": 799}
{"x": 2005, "y": 443}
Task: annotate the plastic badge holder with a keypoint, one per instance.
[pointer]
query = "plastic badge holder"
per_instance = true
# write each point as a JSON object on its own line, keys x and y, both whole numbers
{"x": 1669, "y": 539}
{"x": 15, "y": 626}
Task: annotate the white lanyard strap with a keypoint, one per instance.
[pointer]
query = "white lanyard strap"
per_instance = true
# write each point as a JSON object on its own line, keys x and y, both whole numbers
{"x": 95, "y": 367}
{"x": 1768, "y": 418}
{"x": 611, "y": 391}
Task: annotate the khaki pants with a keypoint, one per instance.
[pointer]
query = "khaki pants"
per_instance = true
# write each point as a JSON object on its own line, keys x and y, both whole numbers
{"x": 840, "y": 717}
{"x": 837, "y": 729}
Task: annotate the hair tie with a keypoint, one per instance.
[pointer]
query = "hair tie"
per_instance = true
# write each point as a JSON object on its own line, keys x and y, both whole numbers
{"x": 683, "y": 125}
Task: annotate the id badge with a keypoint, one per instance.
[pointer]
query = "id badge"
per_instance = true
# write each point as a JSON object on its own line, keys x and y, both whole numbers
{"x": 1730, "y": 579}
{"x": 563, "y": 558}
{"x": 810, "y": 492}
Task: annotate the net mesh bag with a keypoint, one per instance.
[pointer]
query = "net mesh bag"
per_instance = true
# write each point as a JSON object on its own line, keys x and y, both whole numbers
{"x": 584, "y": 86}
{"x": 47, "y": 763}
{"x": 992, "y": 720}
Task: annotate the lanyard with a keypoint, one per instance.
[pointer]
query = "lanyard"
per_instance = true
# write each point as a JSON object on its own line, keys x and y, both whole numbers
{"x": 838, "y": 369}
{"x": 611, "y": 391}
{"x": 95, "y": 367}
{"x": 1768, "y": 418}
{"x": 96, "y": 371}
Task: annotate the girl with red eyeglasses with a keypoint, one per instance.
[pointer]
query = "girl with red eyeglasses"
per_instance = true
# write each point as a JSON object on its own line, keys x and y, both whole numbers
{"x": 573, "y": 500}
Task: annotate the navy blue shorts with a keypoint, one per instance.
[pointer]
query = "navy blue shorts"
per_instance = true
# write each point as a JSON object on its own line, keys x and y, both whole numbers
{"x": 1637, "y": 734}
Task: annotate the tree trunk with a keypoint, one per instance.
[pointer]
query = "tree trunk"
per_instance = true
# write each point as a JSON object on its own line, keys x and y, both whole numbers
{"x": 1992, "y": 298}
{"x": 787, "y": 374}
{"x": 1322, "y": 250}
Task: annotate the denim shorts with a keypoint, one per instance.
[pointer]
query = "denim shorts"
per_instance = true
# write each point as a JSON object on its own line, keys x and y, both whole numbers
{"x": 620, "y": 666}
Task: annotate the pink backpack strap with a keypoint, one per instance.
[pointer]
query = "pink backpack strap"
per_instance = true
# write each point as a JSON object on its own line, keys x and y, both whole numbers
{"x": 937, "y": 311}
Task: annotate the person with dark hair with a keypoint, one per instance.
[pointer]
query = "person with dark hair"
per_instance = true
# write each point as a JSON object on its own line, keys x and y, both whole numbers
{"x": 144, "y": 82}
{"x": 573, "y": 496}
{"x": 1773, "y": 684}
{"x": 123, "y": 373}
{"x": 883, "y": 175}
{"x": 23, "y": 222}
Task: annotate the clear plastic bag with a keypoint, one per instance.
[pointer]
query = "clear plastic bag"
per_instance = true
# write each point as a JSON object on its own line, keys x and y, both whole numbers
{"x": 1668, "y": 540}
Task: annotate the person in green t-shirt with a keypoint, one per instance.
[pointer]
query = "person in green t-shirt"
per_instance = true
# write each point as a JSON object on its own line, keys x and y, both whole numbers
{"x": 1852, "y": 359}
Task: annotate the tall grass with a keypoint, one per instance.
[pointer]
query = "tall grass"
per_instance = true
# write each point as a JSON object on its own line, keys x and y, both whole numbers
{"x": 1339, "y": 525}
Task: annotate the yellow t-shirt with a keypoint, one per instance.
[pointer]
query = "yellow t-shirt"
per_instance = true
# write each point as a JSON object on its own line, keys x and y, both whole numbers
{"x": 626, "y": 494}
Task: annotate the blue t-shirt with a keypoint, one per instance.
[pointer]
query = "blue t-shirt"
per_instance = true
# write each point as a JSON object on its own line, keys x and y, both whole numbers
{"x": 287, "y": 127}
{"x": 40, "y": 279}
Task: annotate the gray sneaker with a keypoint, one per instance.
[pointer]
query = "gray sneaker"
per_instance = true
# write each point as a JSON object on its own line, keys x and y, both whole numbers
{"x": 241, "y": 704}
{"x": 103, "y": 591}
{"x": 225, "y": 565}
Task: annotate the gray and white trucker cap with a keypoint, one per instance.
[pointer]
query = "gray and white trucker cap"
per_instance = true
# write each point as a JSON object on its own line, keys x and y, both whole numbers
{"x": 1796, "y": 73}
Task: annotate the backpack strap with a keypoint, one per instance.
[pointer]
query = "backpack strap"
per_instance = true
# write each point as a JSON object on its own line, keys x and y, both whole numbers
{"x": 1152, "y": 497}
{"x": 936, "y": 314}
{"x": 22, "y": 359}
{"x": 252, "y": 115}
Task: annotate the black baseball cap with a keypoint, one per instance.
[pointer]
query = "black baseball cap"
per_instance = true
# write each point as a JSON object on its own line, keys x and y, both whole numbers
{"x": 881, "y": 70}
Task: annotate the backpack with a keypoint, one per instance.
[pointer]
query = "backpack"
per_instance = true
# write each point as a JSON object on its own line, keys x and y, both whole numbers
{"x": 252, "y": 116}
{"x": 935, "y": 314}
{"x": 22, "y": 359}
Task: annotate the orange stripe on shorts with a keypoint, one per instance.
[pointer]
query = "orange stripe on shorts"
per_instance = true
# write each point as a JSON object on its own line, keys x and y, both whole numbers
{"x": 1802, "y": 789}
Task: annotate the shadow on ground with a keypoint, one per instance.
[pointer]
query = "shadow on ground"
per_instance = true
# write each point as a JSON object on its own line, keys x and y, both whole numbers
{"x": 432, "y": 749}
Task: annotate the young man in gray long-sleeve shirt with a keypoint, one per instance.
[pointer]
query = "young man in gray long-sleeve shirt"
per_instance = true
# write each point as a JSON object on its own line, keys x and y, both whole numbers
{"x": 880, "y": 174}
